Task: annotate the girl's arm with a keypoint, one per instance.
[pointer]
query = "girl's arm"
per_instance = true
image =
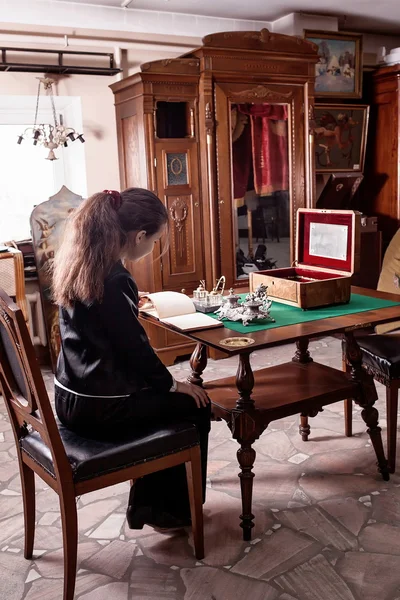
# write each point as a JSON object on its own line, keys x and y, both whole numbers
{"x": 120, "y": 316}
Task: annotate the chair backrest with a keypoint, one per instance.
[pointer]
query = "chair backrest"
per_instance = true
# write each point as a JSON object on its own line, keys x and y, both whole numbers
{"x": 12, "y": 277}
{"x": 23, "y": 388}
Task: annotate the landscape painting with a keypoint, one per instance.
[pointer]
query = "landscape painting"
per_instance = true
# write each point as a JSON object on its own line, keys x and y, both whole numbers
{"x": 338, "y": 72}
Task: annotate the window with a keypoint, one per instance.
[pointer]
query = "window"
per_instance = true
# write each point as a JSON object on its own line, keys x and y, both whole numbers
{"x": 26, "y": 177}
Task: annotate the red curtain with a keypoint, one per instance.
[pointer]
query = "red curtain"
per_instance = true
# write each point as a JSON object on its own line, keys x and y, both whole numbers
{"x": 242, "y": 164}
{"x": 269, "y": 155}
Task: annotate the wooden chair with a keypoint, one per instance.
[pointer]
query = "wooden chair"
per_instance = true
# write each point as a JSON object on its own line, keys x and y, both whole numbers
{"x": 380, "y": 356}
{"x": 12, "y": 276}
{"x": 381, "y": 353}
{"x": 72, "y": 465}
{"x": 381, "y": 359}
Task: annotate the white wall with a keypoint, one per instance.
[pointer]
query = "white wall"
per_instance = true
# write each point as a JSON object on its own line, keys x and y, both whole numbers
{"x": 296, "y": 23}
{"x": 98, "y": 121}
{"x": 48, "y": 12}
{"x": 145, "y": 36}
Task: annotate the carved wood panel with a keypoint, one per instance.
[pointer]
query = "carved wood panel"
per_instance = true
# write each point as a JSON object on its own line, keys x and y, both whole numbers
{"x": 130, "y": 136}
{"x": 177, "y": 184}
{"x": 383, "y": 179}
{"x": 181, "y": 256}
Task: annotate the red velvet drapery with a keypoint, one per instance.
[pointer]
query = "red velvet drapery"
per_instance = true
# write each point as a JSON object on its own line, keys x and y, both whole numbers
{"x": 267, "y": 163}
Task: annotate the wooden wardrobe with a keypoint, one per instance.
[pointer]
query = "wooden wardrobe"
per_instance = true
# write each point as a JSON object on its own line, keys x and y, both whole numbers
{"x": 384, "y": 167}
{"x": 175, "y": 137}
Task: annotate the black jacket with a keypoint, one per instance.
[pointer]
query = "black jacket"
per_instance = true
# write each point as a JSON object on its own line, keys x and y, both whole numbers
{"x": 104, "y": 349}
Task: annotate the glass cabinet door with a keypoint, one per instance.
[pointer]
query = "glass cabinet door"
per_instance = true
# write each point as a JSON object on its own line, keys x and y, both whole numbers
{"x": 261, "y": 172}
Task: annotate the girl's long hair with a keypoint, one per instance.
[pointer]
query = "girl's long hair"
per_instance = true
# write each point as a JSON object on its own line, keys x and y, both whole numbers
{"x": 94, "y": 237}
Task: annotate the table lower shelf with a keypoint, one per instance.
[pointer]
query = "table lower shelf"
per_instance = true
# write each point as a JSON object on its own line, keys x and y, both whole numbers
{"x": 287, "y": 389}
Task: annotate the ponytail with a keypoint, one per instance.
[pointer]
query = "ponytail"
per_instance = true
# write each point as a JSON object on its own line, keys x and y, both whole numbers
{"x": 94, "y": 237}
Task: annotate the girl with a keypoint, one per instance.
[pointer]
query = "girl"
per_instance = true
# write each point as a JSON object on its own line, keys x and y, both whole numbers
{"x": 108, "y": 379}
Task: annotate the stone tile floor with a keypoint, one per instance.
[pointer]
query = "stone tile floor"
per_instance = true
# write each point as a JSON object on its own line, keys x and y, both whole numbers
{"x": 326, "y": 524}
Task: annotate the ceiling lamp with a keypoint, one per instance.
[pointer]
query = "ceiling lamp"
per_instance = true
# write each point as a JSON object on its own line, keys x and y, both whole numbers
{"x": 49, "y": 135}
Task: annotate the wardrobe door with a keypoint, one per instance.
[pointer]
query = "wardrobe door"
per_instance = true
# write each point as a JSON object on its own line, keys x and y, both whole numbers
{"x": 261, "y": 177}
{"x": 178, "y": 188}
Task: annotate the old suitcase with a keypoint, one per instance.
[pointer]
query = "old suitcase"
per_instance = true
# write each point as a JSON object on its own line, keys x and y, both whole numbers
{"x": 327, "y": 255}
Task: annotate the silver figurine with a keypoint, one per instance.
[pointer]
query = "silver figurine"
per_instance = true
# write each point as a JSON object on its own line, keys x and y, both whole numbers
{"x": 255, "y": 307}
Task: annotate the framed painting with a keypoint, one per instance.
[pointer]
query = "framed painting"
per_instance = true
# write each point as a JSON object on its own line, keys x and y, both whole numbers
{"x": 338, "y": 73}
{"x": 340, "y": 137}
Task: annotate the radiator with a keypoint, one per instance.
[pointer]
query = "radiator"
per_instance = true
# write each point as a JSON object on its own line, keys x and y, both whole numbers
{"x": 36, "y": 320}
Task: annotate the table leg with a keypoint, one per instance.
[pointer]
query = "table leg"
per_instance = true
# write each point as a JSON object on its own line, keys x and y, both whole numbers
{"x": 198, "y": 362}
{"x": 246, "y": 456}
{"x": 244, "y": 382}
{"x": 303, "y": 356}
{"x": 245, "y": 429}
{"x": 367, "y": 400}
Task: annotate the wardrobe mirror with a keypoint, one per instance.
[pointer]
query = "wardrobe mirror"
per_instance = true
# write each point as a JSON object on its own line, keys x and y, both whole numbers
{"x": 261, "y": 186}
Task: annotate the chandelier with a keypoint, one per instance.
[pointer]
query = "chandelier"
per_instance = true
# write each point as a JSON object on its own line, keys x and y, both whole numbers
{"x": 49, "y": 135}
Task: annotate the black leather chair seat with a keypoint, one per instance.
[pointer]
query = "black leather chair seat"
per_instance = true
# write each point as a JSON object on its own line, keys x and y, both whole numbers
{"x": 381, "y": 354}
{"x": 91, "y": 458}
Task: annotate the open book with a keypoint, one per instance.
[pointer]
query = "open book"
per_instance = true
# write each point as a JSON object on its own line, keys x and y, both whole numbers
{"x": 177, "y": 310}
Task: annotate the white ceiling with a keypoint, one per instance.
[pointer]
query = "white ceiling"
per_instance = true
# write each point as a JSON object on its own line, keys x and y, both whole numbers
{"x": 368, "y": 15}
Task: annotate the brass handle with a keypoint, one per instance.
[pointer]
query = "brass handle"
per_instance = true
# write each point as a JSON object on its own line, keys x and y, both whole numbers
{"x": 183, "y": 291}
{"x": 222, "y": 201}
{"x": 196, "y": 204}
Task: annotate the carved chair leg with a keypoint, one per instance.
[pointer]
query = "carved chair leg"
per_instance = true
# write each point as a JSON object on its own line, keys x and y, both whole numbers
{"x": 348, "y": 405}
{"x": 194, "y": 479}
{"x": 69, "y": 522}
{"x": 367, "y": 400}
{"x": 302, "y": 355}
{"x": 392, "y": 393}
{"x": 28, "y": 495}
{"x": 246, "y": 456}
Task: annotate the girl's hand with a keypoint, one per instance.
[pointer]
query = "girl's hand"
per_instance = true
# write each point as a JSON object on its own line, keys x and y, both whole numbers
{"x": 198, "y": 393}
{"x": 142, "y": 298}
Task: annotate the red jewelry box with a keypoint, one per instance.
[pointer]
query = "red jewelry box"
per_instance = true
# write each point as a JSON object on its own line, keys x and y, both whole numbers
{"x": 327, "y": 255}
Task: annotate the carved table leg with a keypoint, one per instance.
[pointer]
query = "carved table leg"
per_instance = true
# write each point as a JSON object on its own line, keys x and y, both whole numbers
{"x": 198, "y": 362}
{"x": 246, "y": 430}
{"x": 302, "y": 355}
{"x": 246, "y": 456}
{"x": 367, "y": 401}
{"x": 244, "y": 382}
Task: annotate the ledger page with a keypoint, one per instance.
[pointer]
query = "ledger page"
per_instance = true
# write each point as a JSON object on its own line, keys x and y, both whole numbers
{"x": 169, "y": 304}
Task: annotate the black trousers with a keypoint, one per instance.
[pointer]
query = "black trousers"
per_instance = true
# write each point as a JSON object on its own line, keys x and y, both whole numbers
{"x": 162, "y": 497}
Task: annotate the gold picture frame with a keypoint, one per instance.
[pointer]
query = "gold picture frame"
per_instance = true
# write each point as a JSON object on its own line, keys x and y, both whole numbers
{"x": 340, "y": 137}
{"x": 338, "y": 74}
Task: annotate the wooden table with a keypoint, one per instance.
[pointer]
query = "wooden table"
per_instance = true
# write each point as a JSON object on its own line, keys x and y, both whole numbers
{"x": 249, "y": 402}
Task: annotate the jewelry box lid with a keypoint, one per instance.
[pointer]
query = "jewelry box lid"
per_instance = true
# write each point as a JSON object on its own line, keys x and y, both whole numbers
{"x": 328, "y": 239}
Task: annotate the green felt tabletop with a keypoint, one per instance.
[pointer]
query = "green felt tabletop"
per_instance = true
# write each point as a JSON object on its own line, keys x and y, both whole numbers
{"x": 291, "y": 315}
